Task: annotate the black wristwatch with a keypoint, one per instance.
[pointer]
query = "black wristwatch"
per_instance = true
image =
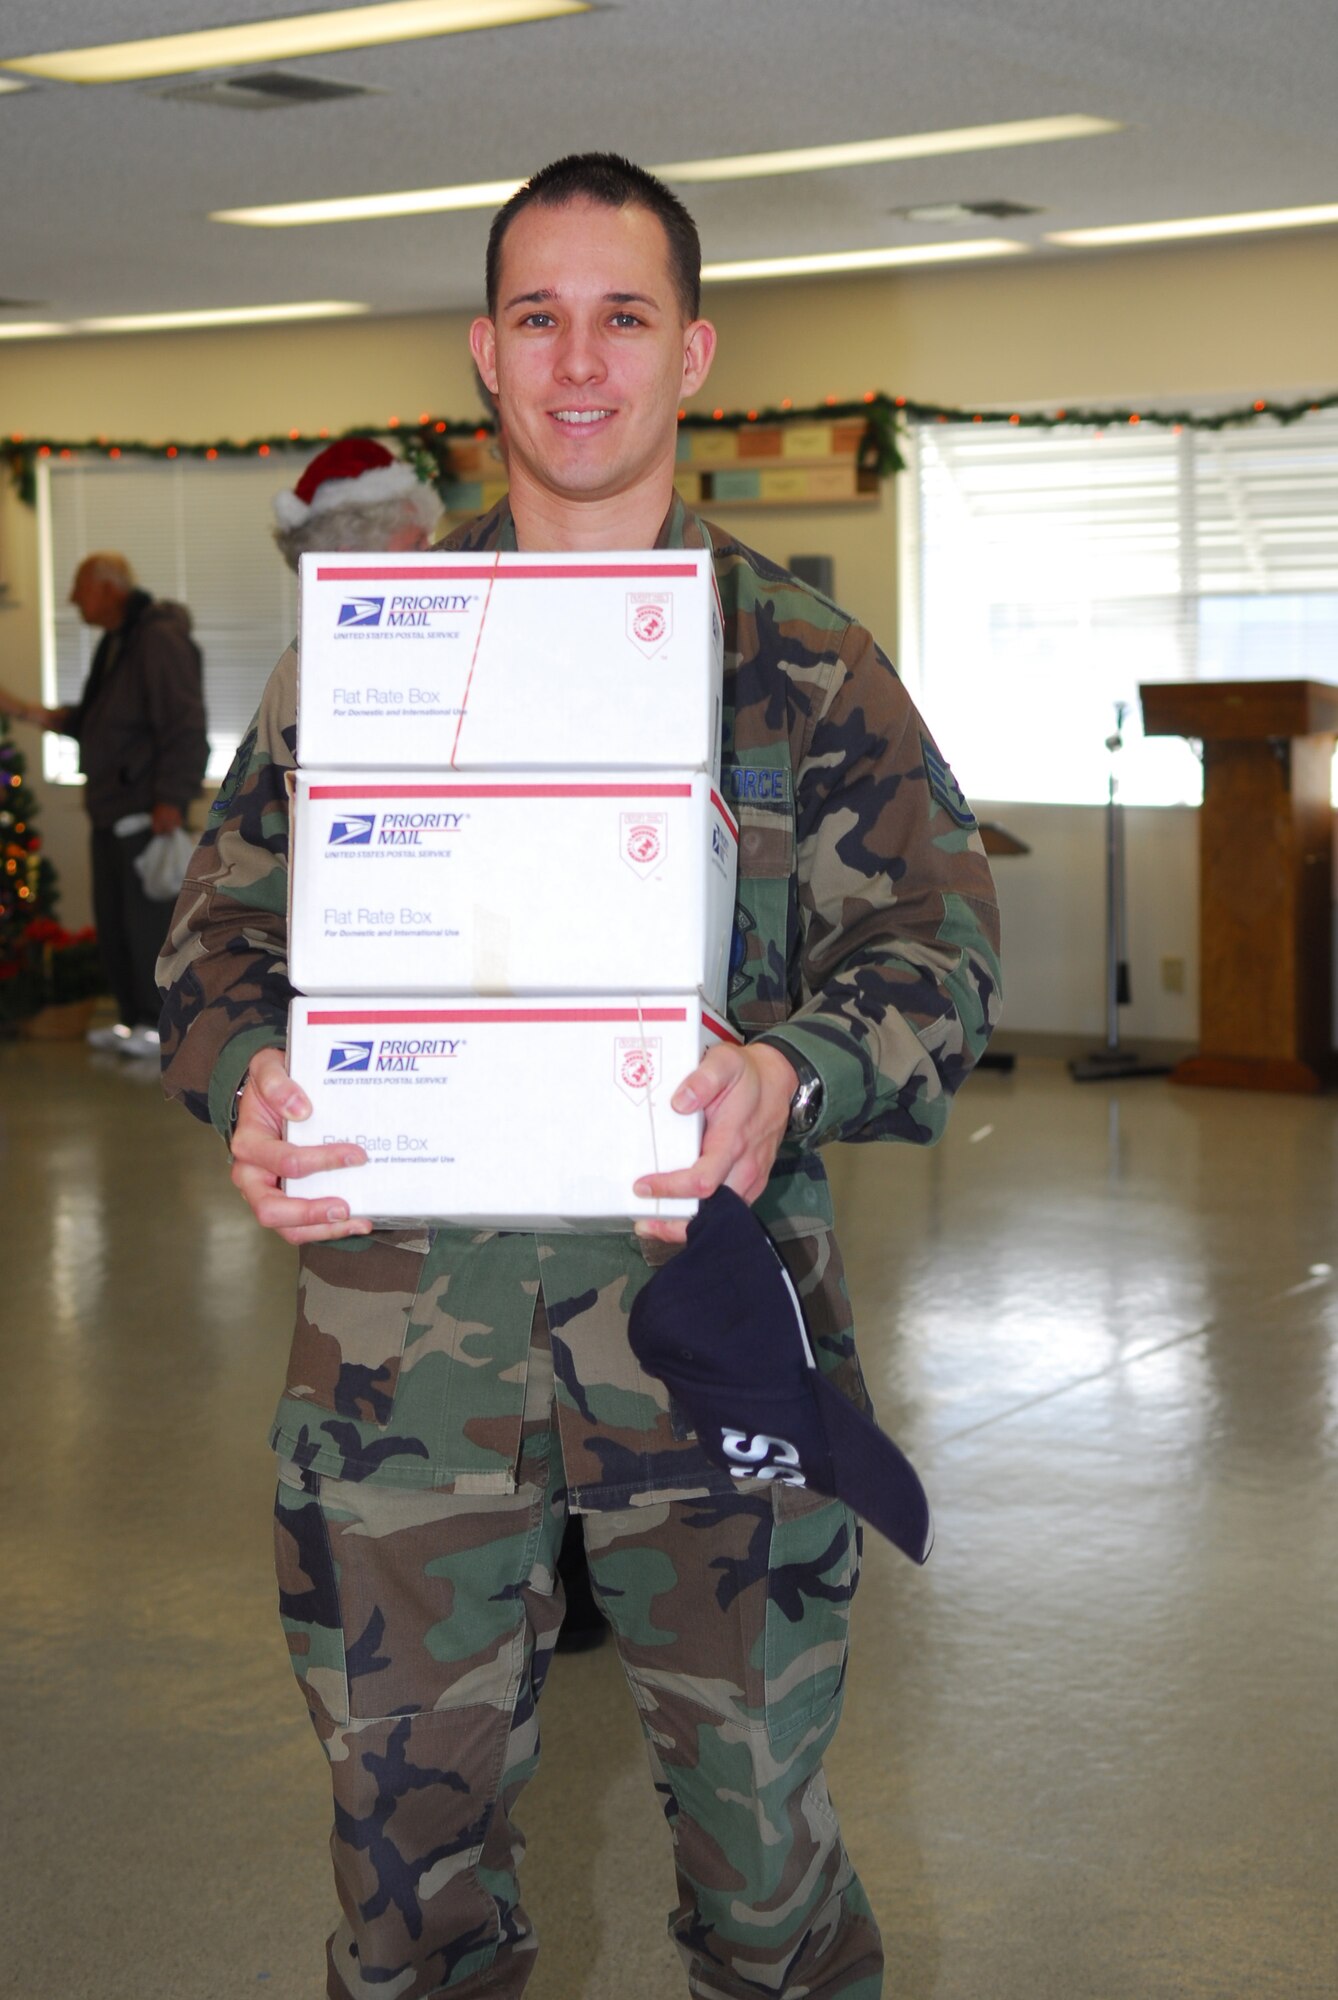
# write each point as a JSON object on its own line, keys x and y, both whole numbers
{"x": 234, "y": 1109}
{"x": 806, "y": 1104}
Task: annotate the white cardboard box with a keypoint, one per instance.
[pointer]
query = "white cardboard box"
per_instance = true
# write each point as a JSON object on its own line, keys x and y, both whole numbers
{"x": 510, "y": 662}
{"x": 500, "y": 1114}
{"x": 580, "y": 882}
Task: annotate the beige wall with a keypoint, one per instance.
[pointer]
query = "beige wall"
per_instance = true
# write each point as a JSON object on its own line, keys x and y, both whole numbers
{"x": 1224, "y": 321}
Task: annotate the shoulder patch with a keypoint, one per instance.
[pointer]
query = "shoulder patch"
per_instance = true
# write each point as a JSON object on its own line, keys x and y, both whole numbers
{"x": 943, "y": 787}
{"x": 226, "y": 796}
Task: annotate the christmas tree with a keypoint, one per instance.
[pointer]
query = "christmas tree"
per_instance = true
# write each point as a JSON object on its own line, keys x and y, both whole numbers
{"x": 40, "y": 962}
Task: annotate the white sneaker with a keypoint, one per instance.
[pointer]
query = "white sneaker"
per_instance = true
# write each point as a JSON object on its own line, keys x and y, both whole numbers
{"x": 114, "y": 1039}
{"x": 142, "y": 1042}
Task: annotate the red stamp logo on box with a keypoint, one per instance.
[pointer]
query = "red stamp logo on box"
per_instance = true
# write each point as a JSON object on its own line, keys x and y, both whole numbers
{"x": 636, "y": 1064}
{"x": 650, "y": 619}
{"x": 644, "y": 839}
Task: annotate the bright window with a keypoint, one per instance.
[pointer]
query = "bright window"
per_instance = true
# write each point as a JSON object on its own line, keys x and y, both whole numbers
{"x": 194, "y": 530}
{"x": 1052, "y": 571}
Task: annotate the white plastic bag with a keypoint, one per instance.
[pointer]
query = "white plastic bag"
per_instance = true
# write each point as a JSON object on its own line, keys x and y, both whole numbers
{"x": 163, "y": 864}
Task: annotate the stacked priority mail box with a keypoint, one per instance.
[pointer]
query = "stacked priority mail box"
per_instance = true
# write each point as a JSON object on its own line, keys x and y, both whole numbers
{"x": 511, "y": 881}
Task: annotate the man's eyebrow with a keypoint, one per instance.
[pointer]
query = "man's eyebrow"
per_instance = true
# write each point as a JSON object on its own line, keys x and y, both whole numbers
{"x": 545, "y": 296}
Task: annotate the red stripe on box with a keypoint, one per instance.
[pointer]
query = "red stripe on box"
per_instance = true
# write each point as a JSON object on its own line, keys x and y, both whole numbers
{"x": 468, "y": 791}
{"x": 419, "y": 1016}
{"x": 521, "y": 573}
{"x": 725, "y": 814}
{"x": 474, "y": 657}
{"x": 720, "y": 1029}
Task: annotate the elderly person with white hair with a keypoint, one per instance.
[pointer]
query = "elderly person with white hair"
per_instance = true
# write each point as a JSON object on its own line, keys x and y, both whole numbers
{"x": 355, "y": 495}
{"x": 140, "y": 727}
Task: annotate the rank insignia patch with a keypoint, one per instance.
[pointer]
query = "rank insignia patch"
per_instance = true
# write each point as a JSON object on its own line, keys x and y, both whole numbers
{"x": 943, "y": 787}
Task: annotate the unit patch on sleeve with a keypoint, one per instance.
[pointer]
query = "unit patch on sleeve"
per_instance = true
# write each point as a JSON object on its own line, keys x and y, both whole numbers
{"x": 943, "y": 787}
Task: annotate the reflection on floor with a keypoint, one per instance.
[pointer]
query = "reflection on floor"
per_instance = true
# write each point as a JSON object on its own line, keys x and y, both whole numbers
{"x": 1088, "y": 1752}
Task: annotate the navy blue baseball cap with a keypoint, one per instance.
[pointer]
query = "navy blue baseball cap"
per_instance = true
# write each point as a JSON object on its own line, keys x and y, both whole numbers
{"x": 721, "y": 1326}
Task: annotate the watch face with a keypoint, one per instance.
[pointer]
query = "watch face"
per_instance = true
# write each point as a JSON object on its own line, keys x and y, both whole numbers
{"x": 806, "y": 1105}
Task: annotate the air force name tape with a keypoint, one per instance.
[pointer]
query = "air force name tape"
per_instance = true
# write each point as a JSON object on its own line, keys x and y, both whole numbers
{"x": 722, "y": 1327}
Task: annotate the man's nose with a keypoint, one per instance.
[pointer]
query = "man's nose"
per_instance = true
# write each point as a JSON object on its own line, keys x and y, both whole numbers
{"x": 580, "y": 358}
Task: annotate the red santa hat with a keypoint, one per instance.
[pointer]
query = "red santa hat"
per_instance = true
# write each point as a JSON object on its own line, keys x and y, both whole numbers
{"x": 355, "y": 472}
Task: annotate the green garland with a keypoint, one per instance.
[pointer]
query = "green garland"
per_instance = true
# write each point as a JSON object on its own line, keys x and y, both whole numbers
{"x": 426, "y": 444}
{"x": 426, "y": 447}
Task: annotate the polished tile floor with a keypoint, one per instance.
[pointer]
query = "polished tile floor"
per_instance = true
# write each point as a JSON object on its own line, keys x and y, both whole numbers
{"x": 1089, "y": 1753}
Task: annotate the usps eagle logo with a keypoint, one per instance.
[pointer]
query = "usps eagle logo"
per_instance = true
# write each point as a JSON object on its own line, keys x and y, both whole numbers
{"x": 361, "y": 610}
{"x": 650, "y": 619}
{"x": 355, "y": 830}
{"x": 644, "y": 840}
{"x": 636, "y": 1064}
{"x": 345, "y": 1056}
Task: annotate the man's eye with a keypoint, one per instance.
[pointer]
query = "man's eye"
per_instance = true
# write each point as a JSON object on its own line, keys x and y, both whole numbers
{"x": 627, "y": 319}
{"x": 537, "y": 319}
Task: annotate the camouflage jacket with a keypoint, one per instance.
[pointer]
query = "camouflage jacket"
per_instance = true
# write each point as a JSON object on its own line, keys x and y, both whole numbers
{"x": 866, "y": 934}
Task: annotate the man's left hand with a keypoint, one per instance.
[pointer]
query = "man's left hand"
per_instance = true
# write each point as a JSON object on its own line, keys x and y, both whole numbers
{"x": 166, "y": 819}
{"x": 745, "y": 1095}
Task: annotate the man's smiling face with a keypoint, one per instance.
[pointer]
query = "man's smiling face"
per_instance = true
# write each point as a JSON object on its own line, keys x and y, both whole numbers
{"x": 589, "y": 354}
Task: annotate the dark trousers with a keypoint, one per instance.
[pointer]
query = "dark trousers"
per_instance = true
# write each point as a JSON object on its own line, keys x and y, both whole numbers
{"x": 131, "y": 929}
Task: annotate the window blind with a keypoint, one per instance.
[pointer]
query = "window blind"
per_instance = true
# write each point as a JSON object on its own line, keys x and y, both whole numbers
{"x": 197, "y": 531}
{"x": 1055, "y": 570}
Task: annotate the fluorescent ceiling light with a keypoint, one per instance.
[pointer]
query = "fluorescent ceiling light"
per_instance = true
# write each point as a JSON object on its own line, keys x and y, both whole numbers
{"x": 861, "y": 260}
{"x": 225, "y": 316}
{"x": 371, "y": 207}
{"x": 740, "y": 166}
{"x": 33, "y": 329}
{"x": 276, "y": 41}
{"x": 174, "y": 321}
{"x": 874, "y": 152}
{"x": 1199, "y": 225}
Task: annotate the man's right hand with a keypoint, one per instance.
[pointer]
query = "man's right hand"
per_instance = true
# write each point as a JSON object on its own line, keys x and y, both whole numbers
{"x": 20, "y": 708}
{"x": 262, "y": 1158}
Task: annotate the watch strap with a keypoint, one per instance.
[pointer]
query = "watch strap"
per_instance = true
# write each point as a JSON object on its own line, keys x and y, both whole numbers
{"x": 234, "y": 1108}
{"x": 807, "y": 1101}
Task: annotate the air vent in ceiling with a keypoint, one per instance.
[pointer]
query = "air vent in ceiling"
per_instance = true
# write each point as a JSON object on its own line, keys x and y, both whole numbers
{"x": 21, "y": 305}
{"x": 962, "y": 211}
{"x": 266, "y": 90}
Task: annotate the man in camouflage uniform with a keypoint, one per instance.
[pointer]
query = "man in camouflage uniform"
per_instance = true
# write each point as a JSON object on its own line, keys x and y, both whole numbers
{"x": 450, "y": 1394}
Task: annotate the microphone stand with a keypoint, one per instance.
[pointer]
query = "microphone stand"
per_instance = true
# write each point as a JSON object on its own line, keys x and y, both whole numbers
{"x": 1113, "y": 1061}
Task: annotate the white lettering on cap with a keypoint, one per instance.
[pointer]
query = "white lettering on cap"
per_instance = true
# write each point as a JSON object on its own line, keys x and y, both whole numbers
{"x": 762, "y": 1457}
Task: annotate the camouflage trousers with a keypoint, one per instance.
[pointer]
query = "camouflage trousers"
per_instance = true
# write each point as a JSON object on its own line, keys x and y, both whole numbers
{"x": 421, "y": 1626}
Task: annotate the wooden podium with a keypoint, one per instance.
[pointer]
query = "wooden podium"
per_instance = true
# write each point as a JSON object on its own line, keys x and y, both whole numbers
{"x": 1265, "y": 884}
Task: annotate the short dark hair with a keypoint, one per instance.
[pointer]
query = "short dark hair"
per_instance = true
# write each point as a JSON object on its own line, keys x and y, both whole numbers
{"x": 614, "y": 182}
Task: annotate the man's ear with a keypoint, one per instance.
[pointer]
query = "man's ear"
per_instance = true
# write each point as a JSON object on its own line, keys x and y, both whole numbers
{"x": 698, "y": 354}
{"x": 483, "y": 347}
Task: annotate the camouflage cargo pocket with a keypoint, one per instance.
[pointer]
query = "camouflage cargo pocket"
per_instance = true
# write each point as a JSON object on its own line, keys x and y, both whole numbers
{"x": 811, "y": 1580}
{"x": 354, "y": 1301}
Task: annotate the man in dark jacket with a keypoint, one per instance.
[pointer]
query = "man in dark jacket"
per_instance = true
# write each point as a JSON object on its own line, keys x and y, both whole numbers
{"x": 140, "y": 727}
